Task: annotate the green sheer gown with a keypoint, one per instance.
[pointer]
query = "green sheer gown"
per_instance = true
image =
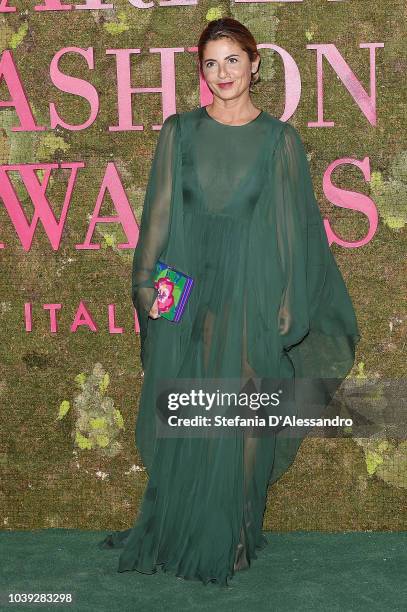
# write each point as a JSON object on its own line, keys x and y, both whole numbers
{"x": 233, "y": 207}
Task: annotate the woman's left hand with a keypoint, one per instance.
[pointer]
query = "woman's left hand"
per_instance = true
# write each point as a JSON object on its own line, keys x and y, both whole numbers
{"x": 284, "y": 321}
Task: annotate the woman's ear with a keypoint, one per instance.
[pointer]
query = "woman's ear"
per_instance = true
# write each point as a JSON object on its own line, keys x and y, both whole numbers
{"x": 256, "y": 64}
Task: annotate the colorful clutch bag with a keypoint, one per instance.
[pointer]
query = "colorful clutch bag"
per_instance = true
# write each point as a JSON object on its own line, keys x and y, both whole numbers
{"x": 174, "y": 288}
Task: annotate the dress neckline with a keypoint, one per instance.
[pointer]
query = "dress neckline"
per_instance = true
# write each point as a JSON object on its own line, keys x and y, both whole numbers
{"x": 226, "y": 124}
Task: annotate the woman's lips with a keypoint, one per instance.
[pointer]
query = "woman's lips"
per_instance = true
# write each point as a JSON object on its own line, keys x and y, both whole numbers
{"x": 225, "y": 85}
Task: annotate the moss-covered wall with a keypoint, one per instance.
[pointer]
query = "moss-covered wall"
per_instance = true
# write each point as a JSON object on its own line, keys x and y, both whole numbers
{"x": 69, "y": 400}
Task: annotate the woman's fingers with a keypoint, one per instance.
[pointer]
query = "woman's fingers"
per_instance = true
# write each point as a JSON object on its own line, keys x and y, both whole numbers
{"x": 154, "y": 312}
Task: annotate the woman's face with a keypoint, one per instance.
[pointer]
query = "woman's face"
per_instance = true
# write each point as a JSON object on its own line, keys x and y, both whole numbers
{"x": 224, "y": 61}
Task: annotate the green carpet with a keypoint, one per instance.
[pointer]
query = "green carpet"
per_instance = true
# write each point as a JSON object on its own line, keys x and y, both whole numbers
{"x": 348, "y": 571}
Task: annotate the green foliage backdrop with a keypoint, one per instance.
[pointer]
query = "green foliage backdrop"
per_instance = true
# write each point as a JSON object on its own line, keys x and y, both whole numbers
{"x": 69, "y": 400}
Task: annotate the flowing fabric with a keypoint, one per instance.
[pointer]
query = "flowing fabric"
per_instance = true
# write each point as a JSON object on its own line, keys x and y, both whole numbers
{"x": 233, "y": 207}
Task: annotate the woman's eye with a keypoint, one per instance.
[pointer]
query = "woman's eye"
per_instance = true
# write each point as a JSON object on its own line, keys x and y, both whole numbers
{"x": 231, "y": 59}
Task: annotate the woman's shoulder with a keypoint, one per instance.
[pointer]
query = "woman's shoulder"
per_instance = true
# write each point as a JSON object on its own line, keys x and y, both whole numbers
{"x": 281, "y": 126}
{"x": 273, "y": 123}
{"x": 286, "y": 134}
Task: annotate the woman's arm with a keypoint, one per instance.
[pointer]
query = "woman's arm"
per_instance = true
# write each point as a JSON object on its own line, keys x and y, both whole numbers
{"x": 155, "y": 223}
{"x": 317, "y": 318}
{"x": 292, "y": 216}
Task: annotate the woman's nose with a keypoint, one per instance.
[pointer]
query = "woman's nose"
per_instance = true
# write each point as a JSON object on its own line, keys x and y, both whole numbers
{"x": 222, "y": 72}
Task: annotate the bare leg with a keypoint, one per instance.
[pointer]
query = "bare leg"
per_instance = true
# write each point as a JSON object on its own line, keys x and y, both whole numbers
{"x": 250, "y": 443}
{"x": 250, "y": 448}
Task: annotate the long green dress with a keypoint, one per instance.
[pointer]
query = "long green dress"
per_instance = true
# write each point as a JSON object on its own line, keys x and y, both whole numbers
{"x": 233, "y": 207}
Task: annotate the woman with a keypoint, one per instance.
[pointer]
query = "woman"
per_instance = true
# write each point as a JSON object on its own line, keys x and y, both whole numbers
{"x": 229, "y": 202}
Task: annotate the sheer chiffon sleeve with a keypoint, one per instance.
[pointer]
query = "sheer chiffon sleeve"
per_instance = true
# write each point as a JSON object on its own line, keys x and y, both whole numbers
{"x": 317, "y": 322}
{"x": 308, "y": 314}
{"x": 154, "y": 226}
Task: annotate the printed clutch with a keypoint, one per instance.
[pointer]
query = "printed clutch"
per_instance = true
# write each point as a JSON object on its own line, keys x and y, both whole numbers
{"x": 174, "y": 288}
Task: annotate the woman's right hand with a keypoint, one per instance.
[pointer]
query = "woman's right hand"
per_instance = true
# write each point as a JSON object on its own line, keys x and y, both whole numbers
{"x": 154, "y": 313}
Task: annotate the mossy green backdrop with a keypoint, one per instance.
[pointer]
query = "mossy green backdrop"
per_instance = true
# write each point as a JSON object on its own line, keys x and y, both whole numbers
{"x": 69, "y": 400}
